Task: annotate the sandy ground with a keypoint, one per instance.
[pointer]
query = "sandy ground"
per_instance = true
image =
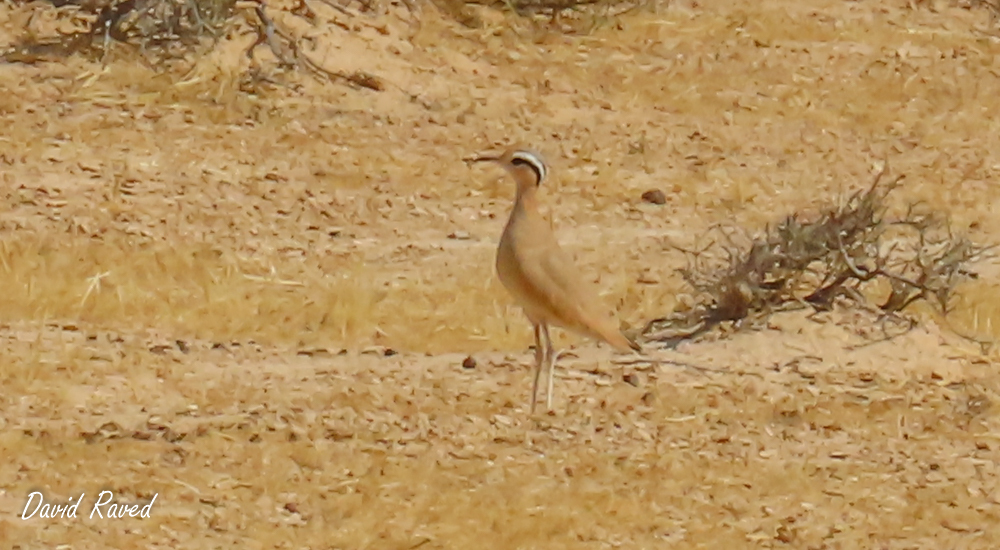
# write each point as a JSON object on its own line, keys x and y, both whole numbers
{"x": 257, "y": 307}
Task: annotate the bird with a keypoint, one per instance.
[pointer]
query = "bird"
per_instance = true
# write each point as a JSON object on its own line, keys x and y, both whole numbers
{"x": 540, "y": 275}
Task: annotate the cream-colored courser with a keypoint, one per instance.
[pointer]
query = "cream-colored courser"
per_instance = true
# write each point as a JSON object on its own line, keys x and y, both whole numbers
{"x": 541, "y": 276}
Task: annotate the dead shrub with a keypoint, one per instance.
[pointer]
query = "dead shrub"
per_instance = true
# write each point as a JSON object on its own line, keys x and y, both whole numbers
{"x": 161, "y": 29}
{"x": 553, "y": 8}
{"x": 168, "y": 32}
{"x": 848, "y": 254}
{"x": 567, "y": 16}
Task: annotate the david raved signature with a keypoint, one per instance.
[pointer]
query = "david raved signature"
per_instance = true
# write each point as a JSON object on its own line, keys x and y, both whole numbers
{"x": 105, "y": 507}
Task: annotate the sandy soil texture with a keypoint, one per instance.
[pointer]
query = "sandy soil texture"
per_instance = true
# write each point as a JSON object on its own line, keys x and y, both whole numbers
{"x": 258, "y": 307}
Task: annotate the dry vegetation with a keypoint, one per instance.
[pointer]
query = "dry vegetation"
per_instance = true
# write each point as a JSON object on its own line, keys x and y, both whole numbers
{"x": 838, "y": 257}
{"x": 207, "y": 262}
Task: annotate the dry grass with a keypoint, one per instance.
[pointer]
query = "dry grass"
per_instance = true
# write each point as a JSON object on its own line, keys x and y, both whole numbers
{"x": 141, "y": 209}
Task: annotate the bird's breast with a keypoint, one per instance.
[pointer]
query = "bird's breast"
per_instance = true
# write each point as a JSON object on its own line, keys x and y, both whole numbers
{"x": 507, "y": 262}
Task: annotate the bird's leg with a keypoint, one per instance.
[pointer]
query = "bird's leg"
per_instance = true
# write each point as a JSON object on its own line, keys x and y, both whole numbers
{"x": 539, "y": 359}
{"x": 550, "y": 356}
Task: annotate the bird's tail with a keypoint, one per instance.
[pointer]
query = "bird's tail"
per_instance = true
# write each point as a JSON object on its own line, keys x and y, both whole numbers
{"x": 633, "y": 344}
{"x": 605, "y": 329}
{"x": 619, "y": 341}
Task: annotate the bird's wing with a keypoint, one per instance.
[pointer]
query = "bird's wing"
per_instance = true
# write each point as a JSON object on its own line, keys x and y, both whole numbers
{"x": 556, "y": 284}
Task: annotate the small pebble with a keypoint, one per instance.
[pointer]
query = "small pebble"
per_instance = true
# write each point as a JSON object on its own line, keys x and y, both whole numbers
{"x": 654, "y": 196}
{"x": 469, "y": 363}
{"x": 632, "y": 379}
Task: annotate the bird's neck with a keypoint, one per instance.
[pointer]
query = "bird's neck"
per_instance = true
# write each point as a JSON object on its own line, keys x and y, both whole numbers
{"x": 527, "y": 197}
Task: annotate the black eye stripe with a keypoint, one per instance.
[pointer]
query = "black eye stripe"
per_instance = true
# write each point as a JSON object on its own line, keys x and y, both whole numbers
{"x": 534, "y": 168}
{"x": 523, "y": 159}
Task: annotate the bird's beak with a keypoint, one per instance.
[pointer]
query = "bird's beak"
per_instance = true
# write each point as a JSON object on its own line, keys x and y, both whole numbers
{"x": 481, "y": 158}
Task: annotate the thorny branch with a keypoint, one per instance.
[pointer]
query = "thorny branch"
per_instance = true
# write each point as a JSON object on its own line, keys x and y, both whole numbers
{"x": 848, "y": 254}
{"x": 285, "y": 49}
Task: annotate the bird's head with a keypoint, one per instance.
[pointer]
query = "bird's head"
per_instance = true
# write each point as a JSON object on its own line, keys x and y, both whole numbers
{"x": 526, "y": 166}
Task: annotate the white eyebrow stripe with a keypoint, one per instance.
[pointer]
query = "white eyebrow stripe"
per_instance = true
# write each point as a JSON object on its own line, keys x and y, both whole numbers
{"x": 533, "y": 159}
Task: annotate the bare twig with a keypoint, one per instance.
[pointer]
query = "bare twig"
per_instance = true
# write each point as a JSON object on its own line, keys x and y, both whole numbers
{"x": 285, "y": 48}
